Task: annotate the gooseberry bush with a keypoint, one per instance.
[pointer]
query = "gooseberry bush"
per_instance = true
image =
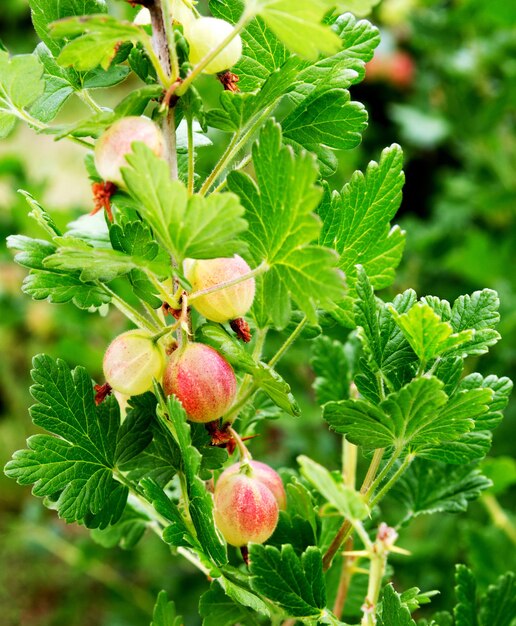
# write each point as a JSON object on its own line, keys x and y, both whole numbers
{"x": 212, "y": 263}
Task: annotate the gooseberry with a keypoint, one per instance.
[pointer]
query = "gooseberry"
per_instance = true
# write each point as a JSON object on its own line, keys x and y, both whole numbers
{"x": 245, "y": 509}
{"x": 204, "y": 35}
{"x": 202, "y": 380}
{"x": 228, "y": 303}
{"x": 132, "y": 361}
{"x": 115, "y": 144}
{"x": 263, "y": 473}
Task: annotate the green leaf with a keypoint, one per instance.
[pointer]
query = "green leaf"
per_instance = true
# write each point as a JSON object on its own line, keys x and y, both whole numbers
{"x": 238, "y": 109}
{"x": 187, "y": 226}
{"x": 297, "y": 23}
{"x": 77, "y": 463}
{"x": 387, "y": 352}
{"x": 501, "y": 390}
{"x": 200, "y": 503}
{"x": 356, "y": 224}
{"x": 499, "y": 603}
{"x": 60, "y": 288}
{"x": 427, "y": 488}
{"x": 91, "y": 264}
{"x": 262, "y": 51}
{"x": 428, "y": 336}
{"x": 20, "y": 85}
{"x": 164, "y": 613}
{"x": 465, "y": 611}
{"x": 282, "y": 228}
{"x": 332, "y": 369}
{"x": 328, "y": 119}
{"x": 265, "y": 377}
{"x": 126, "y": 533}
{"x": 295, "y": 583}
{"x": 218, "y": 609}
{"x": 468, "y": 448}
{"x": 394, "y": 612}
{"x": 58, "y": 86}
{"x": 346, "y": 500}
{"x": 46, "y": 11}
{"x": 418, "y": 416}
{"x": 96, "y": 42}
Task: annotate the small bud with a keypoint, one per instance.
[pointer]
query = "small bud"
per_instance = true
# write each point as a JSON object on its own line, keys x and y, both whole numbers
{"x": 202, "y": 380}
{"x": 116, "y": 142}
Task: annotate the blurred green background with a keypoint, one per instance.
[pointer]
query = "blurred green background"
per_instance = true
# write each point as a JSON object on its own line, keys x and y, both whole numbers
{"x": 443, "y": 85}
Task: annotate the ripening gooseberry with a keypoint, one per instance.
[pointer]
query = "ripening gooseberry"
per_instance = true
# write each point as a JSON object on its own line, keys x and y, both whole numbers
{"x": 116, "y": 142}
{"x": 204, "y": 35}
{"x": 263, "y": 473}
{"x": 132, "y": 361}
{"x": 245, "y": 509}
{"x": 228, "y": 303}
{"x": 202, "y": 380}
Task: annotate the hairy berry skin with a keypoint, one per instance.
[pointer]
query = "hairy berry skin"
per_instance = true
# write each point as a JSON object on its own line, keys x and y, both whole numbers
{"x": 245, "y": 510}
{"x": 202, "y": 380}
{"x": 229, "y": 303}
{"x": 204, "y": 35}
{"x": 116, "y": 142}
{"x": 132, "y": 361}
{"x": 264, "y": 474}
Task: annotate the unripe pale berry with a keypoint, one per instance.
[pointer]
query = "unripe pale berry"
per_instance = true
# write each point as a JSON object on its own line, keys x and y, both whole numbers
{"x": 226, "y": 304}
{"x": 204, "y": 35}
{"x": 116, "y": 142}
{"x": 202, "y": 380}
{"x": 245, "y": 510}
{"x": 263, "y": 473}
{"x": 132, "y": 361}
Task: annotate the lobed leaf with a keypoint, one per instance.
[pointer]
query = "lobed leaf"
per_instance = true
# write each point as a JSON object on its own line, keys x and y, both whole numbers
{"x": 77, "y": 464}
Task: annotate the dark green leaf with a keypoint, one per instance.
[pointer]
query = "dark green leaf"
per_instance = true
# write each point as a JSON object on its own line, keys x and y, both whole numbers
{"x": 356, "y": 224}
{"x": 465, "y": 611}
{"x": 194, "y": 226}
{"x": 429, "y": 487}
{"x": 282, "y": 228}
{"x": 164, "y": 613}
{"x": 499, "y": 603}
{"x": 394, "y": 612}
{"x": 295, "y": 583}
{"x": 218, "y": 609}
{"x": 78, "y": 462}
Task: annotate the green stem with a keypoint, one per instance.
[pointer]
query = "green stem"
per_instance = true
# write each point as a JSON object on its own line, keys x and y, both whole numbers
{"x": 349, "y": 462}
{"x": 168, "y": 17}
{"x": 401, "y": 469}
{"x": 205, "y": 61}
{"x": 233, "y": 412}
{"x": 263, "y": 267}
{"x": 383, "y": 473}
{"x": 376, "y": 574}
{"x": 499, "y": 516}
{"x": 32, "y": 121}
{"x": 236, "y": 144}
{"x": 191, "y": 156}
{"x": 245, "y": 455}
{"x": 373, "y": 468}
{"x": 85, "y": 96}
{"x": 131, "y": 313}
{"x": 289, "y": 341}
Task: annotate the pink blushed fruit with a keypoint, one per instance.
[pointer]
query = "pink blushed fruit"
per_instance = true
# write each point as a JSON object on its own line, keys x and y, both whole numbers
{"x": 132, "y": 361}
{"x": 229, "y": 303}
{"x": 115, "y": 144}
{"x": 245, "y": 510}
{"x": 264, "y": 474}
{"x": 202, "y": 380}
